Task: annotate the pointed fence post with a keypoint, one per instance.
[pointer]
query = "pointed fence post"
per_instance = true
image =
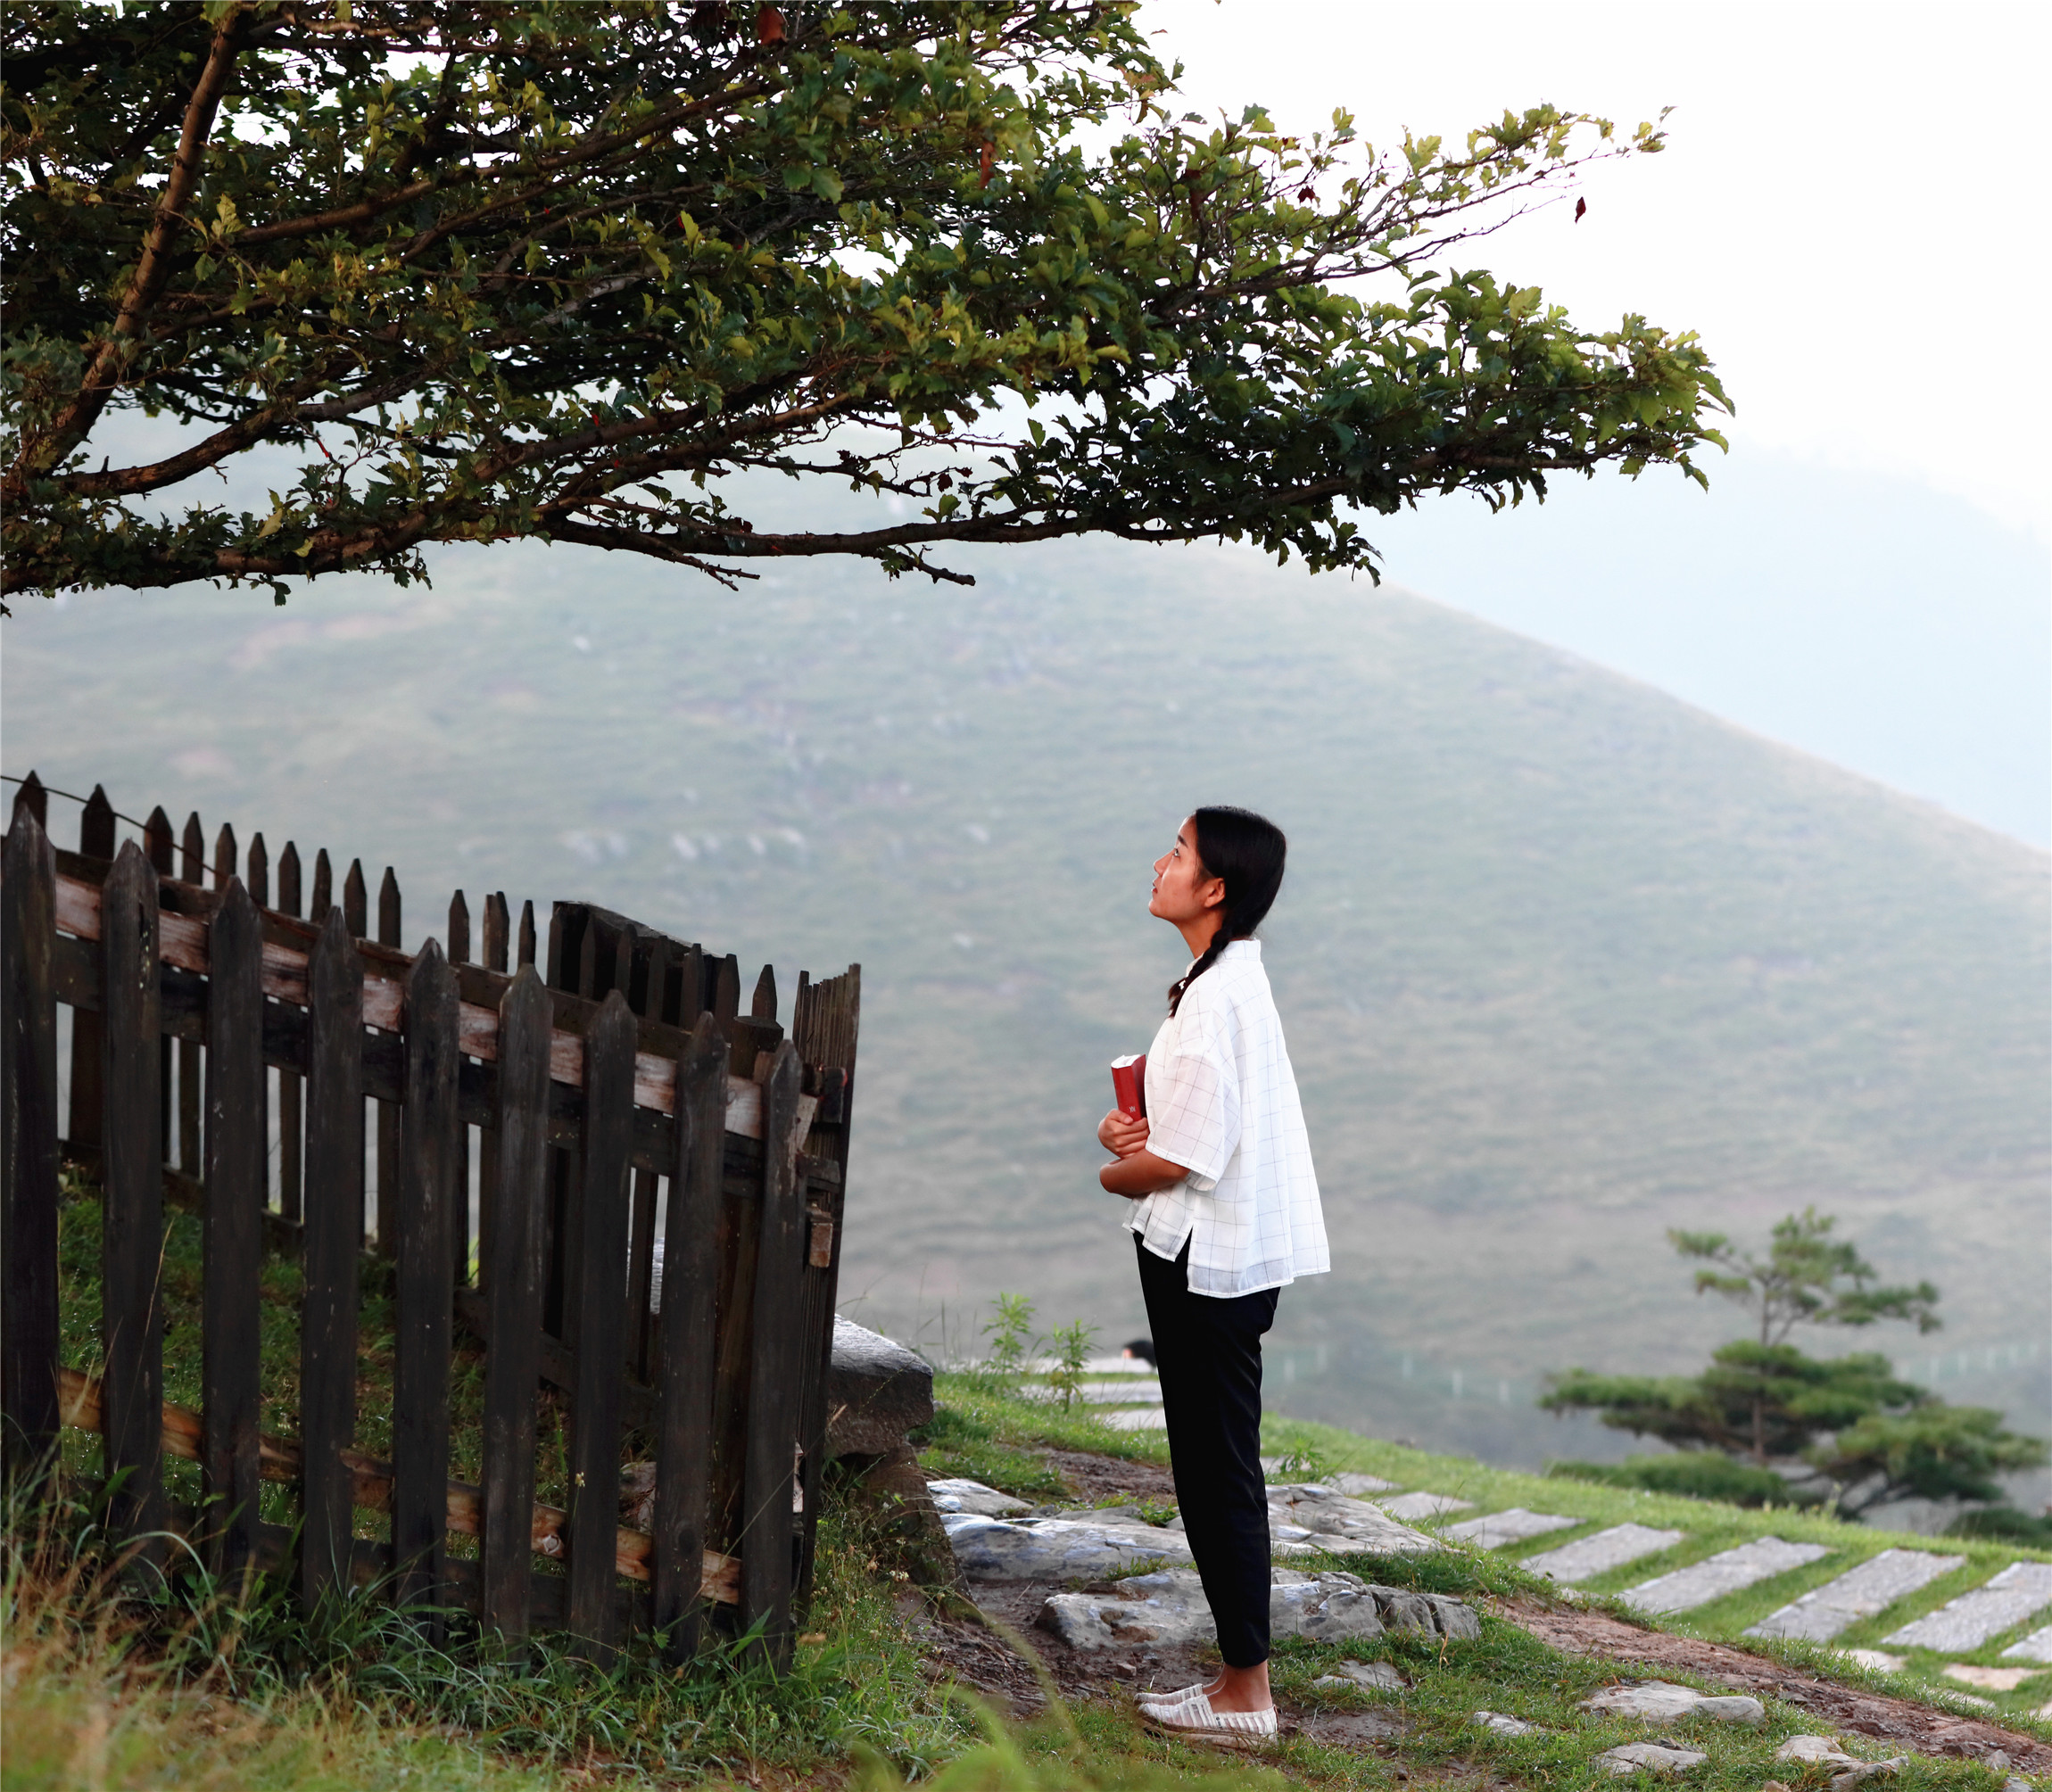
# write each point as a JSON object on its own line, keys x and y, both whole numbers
{"x": 237, "y": 1127}
{"x": 30, "y": 795}
{"x": 323, "y": 888}
{"x": 690, "y": 1281}
{"x": 160, "y": 846}
{"x": 513, "y": 1353}
{"x": 28, "y": 1309}
{"x": 386, "y": 1114}
{"x": 132, "y": 1221}
{"x": 291, "y": 1087}
{"x": 333, "y": 1236}
{"x": 428, "y": 1189}
{"x": 192, "y": 870}
{"x": 95, "y": 841}
{"x": 258, "y": 877}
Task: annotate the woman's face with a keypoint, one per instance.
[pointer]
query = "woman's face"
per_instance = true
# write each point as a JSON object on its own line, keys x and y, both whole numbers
{"x": 1183, "y": 889}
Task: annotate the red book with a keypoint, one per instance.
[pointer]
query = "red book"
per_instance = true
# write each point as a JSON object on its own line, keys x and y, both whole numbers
{"x": 1129, "y": 1085}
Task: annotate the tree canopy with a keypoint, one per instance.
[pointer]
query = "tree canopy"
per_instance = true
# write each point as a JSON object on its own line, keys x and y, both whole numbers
{"x": 470, "y": 270}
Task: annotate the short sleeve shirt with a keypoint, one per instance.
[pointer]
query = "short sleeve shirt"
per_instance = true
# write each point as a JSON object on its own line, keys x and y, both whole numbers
{"x": 1222, "y": 1102}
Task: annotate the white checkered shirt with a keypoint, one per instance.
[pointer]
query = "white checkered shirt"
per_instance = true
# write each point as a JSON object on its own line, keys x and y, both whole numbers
{"x": 1222, "y": 1102}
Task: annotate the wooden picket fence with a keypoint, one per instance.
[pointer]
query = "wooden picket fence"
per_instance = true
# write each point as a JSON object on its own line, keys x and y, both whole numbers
{"x": 621, "y": 1102}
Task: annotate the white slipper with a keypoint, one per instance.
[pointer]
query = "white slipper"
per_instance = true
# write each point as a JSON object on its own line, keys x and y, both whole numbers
{"x": 1194, "y": 1718}
{"x": 1183, "y": 1695}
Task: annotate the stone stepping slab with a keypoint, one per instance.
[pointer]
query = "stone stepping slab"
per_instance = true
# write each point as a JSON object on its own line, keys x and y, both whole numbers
{"x": 1135, "y": 1418}
{"x": 953, "y": 1494}
{"x": 1656, "y": 1701}
{"x": 2035, "y": 1648}
{"x": 1500, "y": 1530}
{"x": 1727, "y": 1571}
{"x": 1589, "y": 1556}
{"x": 2020, "y": 1591}
{"x": 1102, "y": 1393}
{"x": 1169, "y": 1608}
{"x": 1864, "y": 1591}
{"x": 1305, "y": 1515}
{"x": 989, "y": 1549}
{"x": 1411, "y": 1508}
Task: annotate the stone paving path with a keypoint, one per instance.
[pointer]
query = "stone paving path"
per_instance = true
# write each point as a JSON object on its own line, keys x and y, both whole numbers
{"x": 2020, "y": 1591}
{"x": 1727, "y": 1572}
{"x": 1170, "y": 1608}
{"x": 2035, "y": 1648}
{"x": 1410, "y": 1507}
{"x": 1611, "y": 1548}
{"x": 1863, "y": 1591}
{"x": 1500, "y": 1530}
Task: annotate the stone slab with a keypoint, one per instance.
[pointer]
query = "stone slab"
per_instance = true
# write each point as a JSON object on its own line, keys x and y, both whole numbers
{"x": 1500, "y": 1530}
{"x": 1589, "y": 1556}
{"x": 1990, "y": 1679}
{"x": 956, "y": 1495}
{"x": 1505, "y": 1725}
{"x": 1412, "y": 1507}
{"x": 1101, "y": 1394}
{"x": 1863, "y": 1591}
{"x": 1727, "y": 1571}
{"x": 1878, "y": 1660}
{"x": 1353, "y": 1485}
{"x": 1056, "y": 1548}
{"x": 1135, "y": 1418}
{"x": 876, "y": 1391}
{"x": 1302, "y": 1511}
{"x": 2035, "y": 1648}
{"x": 1375, "y": 1676}
{"x": 1167, "y": 1609}
{"x": 1655, "y": 1757}
{"x": 1656, "y": 1701}
{"x": 2019, "y": 1591}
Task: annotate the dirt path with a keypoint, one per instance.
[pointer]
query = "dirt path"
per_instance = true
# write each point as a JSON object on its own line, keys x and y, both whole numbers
{"x": 1921, "y": 1728}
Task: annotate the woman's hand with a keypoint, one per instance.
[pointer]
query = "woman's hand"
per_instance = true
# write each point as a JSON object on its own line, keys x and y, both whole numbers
{"x": 1120, "y": 1135}
{"x": 1139, "y": 1175}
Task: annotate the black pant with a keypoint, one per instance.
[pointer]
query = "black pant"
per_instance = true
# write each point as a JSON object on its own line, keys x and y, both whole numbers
{"x": 1209, "y": 1352}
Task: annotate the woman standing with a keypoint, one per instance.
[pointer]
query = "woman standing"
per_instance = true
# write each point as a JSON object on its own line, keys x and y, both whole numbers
{"x": 1225, "y": 1215}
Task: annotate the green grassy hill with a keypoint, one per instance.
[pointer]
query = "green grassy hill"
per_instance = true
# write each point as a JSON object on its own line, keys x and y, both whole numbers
{"x": 1563, "y": 962}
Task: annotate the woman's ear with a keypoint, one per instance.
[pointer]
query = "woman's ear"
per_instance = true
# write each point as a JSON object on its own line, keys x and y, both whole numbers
{"x": 1213, "y": 894}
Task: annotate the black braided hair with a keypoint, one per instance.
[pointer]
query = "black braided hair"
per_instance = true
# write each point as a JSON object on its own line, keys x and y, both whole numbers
{"x": 1246, "y": 852}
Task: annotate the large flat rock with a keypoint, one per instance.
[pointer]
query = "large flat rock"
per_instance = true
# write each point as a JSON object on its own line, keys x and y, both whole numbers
{"x": 1501, "y": 1530}
{"x": 953, "y": 1494}
{"x": 1607, "y": 1549}
{"x": 990, "y": 1548}
{"x": 2035, "y": 1648}
{"x": 876, "y": 1391}
{"x": 1656, "y": 1701}
{"x": 2019, "y": 1591}
{"x": 1727, "y": 1571}
{"x": 1169, "y": 1609}
{"x": 1307, "y": 1515}
{"x": 1863, "y": 1591}
{"x": 1412, "y": 1507}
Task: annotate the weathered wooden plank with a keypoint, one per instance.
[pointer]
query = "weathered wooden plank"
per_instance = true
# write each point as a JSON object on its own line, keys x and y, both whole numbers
{"x": 761, "y": 1005}
{"x": 29, "y": 1323}
{"x": 224, "y": 855}
{"x": 527, "y": 933}
{"x": 257, "y": 877}
{"x": 132, "y": 1225}
{"x": 602, "y": 1323}
{"x": 768, "y": 1563}
{"x": 291, "y": 1139}
{"x": 497, "y": 928}
{"x": 386, "y": 1119}
{"x": 235, "y": 1176}
{"x": 323, "y": 888}
{"x": 95, "y": 840}
{"x": 333, "y": 1231}
{"x": 459, "y": 1208}
{"x": 356, "y": 902}
{"x": 726, "y": 987}
{"x": 192, "y": 869}
{"x": 160, "y": 849}
{"x": 459, "y": 930}
{"x": 512, "y": 1360}
{"x": 429, "y": 1189}
{"x": 690, "y": 1264}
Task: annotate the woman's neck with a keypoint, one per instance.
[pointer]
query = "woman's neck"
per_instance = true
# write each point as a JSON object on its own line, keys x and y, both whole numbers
{"x": 1199, "y": 934}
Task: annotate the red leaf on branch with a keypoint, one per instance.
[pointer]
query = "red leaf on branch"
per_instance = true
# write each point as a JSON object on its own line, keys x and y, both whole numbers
{"x": 986, "y": 162}
{"x": 1581, "y": 205}
{"x": 769, "y": 26}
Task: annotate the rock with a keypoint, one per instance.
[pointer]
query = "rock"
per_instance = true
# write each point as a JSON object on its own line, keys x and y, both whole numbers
{"x": 1589, "y": 1555}
{"x": 1652, "y": 1757}
{"x": 1377, "y": 1676}
{"x": 894, "y": 1488}
{"x": 1990, "y": 1679}
{"x": 1135, "y": 1418}
{"x": 1169, "y": 1608}
{"x": 1353, "y": 1485}
{"x": 876, "y": 1391}
{"x": 1863, "y": 1591}
{"x": 1412, "y": 1507}
{"x": 1505, "y": 1726}
{"x": 1878, "y": 1660}
{"x": 1656, "y": 1701}
{"x": 2035, "y": 1648}
{"x": 1056, "y": 1549}
{"x": 1094, "y": 1515}
{"x": 1824, "y": 1751}
{"x": 1500, "y": 1530}
{"x": 1311, "y": 1515}
{"x": 1100, "y": 1393}
{"x": 1966, "y": 1622}
{"x": 955, "y": 1495}
{"x": 1727, "y": 1571}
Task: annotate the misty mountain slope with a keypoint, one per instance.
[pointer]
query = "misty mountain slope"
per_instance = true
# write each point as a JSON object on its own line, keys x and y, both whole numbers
{"x": 1562, "y": 962}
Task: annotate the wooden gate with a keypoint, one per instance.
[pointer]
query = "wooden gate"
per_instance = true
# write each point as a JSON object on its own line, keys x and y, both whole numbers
{"x": 623, "y": 1191}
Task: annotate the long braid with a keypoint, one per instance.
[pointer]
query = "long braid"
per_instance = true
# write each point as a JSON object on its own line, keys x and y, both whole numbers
{"x": 1246, "y": 851}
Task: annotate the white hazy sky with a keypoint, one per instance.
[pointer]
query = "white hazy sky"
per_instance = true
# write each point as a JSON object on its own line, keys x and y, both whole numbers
{"x": 1851, "y": 213}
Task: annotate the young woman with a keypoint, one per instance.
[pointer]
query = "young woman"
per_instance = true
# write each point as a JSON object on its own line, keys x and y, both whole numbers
{"x": 1225, "y": 1215}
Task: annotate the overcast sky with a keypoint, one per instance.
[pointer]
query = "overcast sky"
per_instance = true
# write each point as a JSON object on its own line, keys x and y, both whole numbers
{"x": 1851, "y": 214}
